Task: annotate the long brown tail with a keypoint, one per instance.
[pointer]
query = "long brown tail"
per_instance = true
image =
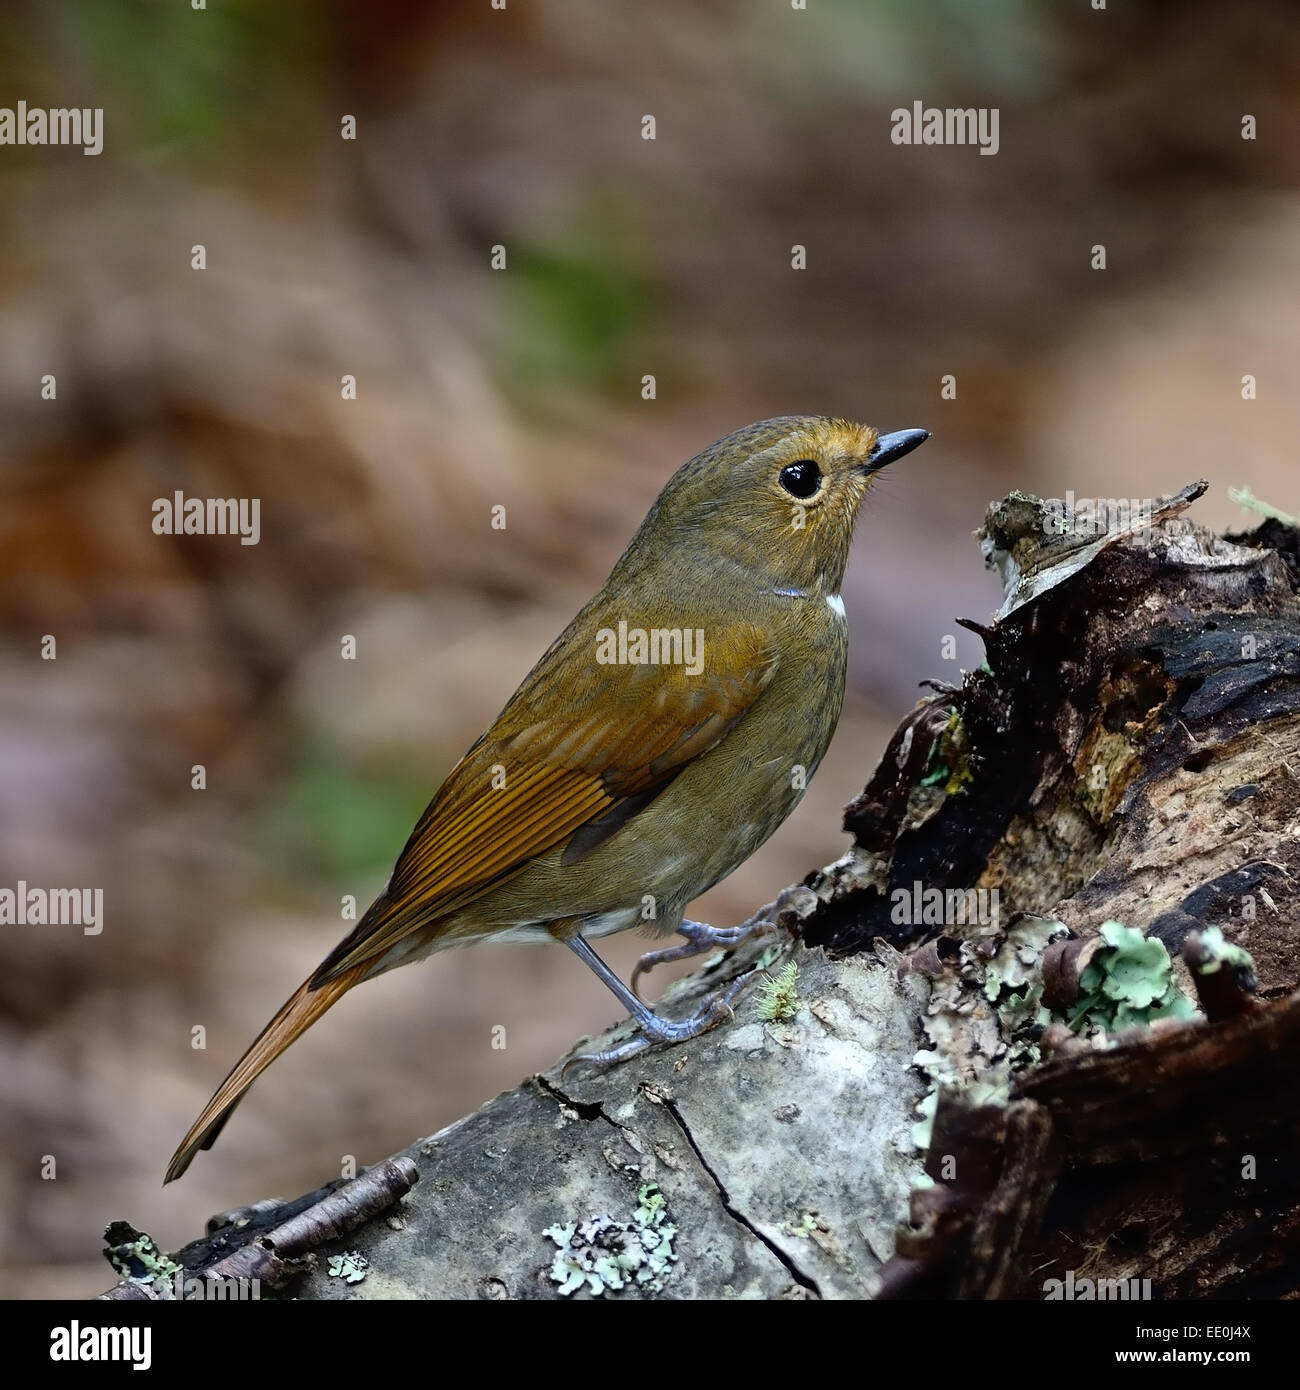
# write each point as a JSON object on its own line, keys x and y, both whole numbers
{"x": 296, "y": 1015}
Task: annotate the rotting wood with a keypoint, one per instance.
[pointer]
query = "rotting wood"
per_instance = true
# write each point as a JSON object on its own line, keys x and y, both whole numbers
{"x": 1129, "y": 752}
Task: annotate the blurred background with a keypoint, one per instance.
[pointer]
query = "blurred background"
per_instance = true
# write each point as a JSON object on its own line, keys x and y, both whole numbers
{"x": 521, "y": 388}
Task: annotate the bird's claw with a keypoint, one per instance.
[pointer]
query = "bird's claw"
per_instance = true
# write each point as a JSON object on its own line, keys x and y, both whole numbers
{"x": 700, "y": 937}
{"x": 655, "y": 1029}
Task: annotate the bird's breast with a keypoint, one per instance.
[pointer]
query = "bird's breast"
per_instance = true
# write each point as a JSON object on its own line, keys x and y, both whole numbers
{"x": 714, "y": 814}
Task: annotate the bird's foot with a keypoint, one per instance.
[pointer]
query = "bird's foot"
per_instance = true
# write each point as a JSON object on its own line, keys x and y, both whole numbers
{"x": 700, "y": 937}
{"x": 653, "y": 1028}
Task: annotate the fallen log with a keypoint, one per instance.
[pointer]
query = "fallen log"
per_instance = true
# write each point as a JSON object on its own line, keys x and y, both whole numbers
{"x": 1043, "y": 1030}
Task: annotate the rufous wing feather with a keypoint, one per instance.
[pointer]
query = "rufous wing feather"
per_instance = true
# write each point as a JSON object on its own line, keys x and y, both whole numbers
{"x": 576, "y": 770}
{"x": 625, "y": 733}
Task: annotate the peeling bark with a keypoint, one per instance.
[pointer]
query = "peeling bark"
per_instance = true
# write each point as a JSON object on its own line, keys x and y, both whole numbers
{"x": 1130, "y": 753}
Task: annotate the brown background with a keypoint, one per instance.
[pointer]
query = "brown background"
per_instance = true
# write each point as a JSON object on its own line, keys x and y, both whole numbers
{"x": 521, "y": 388}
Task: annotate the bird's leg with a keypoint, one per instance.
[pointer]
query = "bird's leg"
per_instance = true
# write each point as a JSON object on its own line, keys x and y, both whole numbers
{"x": 653, "y": 1027}
{"x": 701, "y": 937}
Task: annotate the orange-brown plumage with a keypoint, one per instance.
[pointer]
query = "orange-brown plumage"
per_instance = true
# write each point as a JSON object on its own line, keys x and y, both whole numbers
{"x": 601, "y": 786}
{"x": 296, "y": 1015}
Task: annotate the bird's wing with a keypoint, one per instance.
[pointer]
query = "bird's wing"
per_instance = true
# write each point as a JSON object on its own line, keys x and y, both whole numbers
{"x": 571, "y": 776}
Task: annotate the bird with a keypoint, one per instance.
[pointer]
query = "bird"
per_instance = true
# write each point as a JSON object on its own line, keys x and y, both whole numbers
{"x": 657, "y": 743}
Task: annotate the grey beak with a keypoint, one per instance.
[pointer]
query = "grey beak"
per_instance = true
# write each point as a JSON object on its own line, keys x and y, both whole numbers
{"x": 891, "y": 447}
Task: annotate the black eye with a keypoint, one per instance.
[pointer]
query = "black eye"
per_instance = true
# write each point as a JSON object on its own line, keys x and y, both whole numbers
{"x": 801, "y": 479}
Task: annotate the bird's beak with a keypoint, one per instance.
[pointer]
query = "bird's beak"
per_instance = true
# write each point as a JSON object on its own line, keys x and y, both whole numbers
{"x": 890, "y": 447}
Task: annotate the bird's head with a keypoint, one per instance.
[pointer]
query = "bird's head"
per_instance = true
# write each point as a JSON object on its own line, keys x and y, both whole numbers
{"x": 778, "y": 499}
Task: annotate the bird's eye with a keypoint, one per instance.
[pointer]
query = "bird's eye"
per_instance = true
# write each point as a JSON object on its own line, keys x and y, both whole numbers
{"x": 801, "y": 479}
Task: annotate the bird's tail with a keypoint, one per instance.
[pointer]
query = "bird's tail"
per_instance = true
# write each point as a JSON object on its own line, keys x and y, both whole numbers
{"x": 296, "y": 1015}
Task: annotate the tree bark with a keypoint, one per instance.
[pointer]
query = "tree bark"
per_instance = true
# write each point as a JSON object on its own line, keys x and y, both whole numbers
{"x": 1129, "y": 753}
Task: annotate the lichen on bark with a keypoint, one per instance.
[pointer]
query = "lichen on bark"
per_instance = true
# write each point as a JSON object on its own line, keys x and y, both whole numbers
{"x": 1129, "y": 753}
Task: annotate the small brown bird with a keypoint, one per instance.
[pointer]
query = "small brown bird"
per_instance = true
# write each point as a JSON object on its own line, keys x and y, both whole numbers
{"x": 666, "y": 733}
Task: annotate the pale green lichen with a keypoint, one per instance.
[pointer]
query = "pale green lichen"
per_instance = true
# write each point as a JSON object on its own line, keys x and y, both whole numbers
{"x": 1220, "y": 952}
{"x": 139, "y": 1260}
{"x": 777, "y": 998}
{"x": 803, "y": 1228}
{"x": 1017, "y": 959}
{"x": 769, "y": 958}
{"x": 351, "y": 1266}
{"x": 923, "y": 1129}
{"x": 605, "y": 1254}
{"x": 1023, "y": 1016}
{"x": 976, "y": 1049}
{"x": 1129, "y": 985}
